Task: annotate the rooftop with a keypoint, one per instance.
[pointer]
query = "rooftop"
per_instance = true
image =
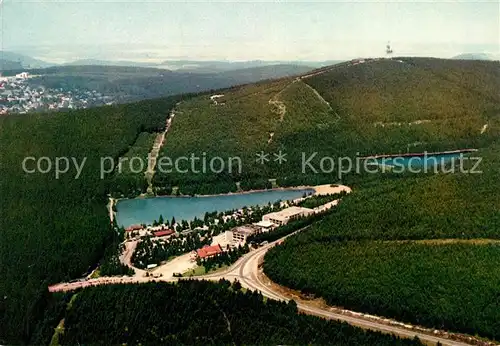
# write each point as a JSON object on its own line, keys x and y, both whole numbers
{"x": 245, "y": 230}
{"x": 264, "y": 224}
{"x": 208, "y": 251}
{"x": 289, "y": 212}
{"x": 163, "y": 233}
{"x": 133, "y": 228}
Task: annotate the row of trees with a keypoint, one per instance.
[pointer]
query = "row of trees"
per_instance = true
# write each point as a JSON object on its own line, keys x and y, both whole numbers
{"x": 319, "y": 200}
{"x": 287, "y": 229}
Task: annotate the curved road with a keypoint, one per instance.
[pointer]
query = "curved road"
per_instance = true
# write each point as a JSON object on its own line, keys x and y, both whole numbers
{"x": 246, "y": 270}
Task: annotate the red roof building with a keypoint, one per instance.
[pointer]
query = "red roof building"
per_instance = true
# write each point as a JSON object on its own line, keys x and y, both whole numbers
{"x": 209, "y": 251}
{"x": 163, "y": 233}
{"x": 133, "y": 228}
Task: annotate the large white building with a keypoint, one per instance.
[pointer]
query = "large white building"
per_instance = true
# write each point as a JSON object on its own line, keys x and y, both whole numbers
{"x": 282, "y": 217}
{"x": 224, "y": 239}
{"x": 235, "y": 237}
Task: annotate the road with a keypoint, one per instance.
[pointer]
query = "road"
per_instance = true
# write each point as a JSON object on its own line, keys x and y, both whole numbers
{"x": 246, "y": 270}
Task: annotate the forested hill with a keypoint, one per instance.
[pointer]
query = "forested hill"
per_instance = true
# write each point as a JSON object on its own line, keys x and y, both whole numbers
{"x": 419, "y": 248}
{"x": 349, "y": 109}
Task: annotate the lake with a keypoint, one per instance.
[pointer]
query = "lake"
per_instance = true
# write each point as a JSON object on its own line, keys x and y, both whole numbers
{"x": 146, "y": 210}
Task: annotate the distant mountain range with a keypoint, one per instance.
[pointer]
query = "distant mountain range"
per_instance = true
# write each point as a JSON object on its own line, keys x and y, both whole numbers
{"x": 128, "y": 80}
{"x": 9, "y": 65}
{"x": 476, "y": 56}
{"x": 130, "y": 83}
{"x": 96, "y": 62}
{"x": 14, "y": 61}
{"x": 11, "y": 60}
{"x": 201, "y": 66}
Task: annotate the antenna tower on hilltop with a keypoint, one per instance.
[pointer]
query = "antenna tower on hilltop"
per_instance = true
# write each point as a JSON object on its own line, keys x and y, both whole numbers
{"x": 388, "y": 49}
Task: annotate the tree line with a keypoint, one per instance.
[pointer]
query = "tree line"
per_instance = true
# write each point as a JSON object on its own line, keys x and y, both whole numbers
{"x": 200, "y": 313}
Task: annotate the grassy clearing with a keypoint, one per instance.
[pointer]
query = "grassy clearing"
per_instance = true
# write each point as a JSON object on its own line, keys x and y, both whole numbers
{"x": 95, "y": 274}
{"x": 140, "y": 149}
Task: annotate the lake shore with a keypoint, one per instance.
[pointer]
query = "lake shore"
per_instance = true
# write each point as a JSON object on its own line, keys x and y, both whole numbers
{"x": 146, "y": 210}
{"x": 291, "y": 188}
{"x": 317, "y": 190}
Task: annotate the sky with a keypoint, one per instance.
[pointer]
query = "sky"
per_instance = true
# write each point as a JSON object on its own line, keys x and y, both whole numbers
{"x": 62, "y": 31}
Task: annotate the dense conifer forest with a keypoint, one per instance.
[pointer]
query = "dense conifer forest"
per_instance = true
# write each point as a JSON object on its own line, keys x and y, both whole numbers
{"x": 439, "y": 284}
{"x": 56, "y": 229}
{"x": 200, "y": 313}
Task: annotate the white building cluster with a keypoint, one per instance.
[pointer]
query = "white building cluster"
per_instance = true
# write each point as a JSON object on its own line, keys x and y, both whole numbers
{"x": 22, "y": 94}
{"x": 239, "y": 235}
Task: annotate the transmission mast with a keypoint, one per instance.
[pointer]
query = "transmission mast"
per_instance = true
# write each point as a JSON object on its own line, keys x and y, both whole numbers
{"x": 388, "y": 49}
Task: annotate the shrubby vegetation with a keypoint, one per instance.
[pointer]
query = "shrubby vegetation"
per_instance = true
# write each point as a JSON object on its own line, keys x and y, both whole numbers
{"x": 200, "y": 313}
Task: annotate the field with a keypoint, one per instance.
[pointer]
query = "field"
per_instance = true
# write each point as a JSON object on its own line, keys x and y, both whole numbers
{"x": 445, "y": 285}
